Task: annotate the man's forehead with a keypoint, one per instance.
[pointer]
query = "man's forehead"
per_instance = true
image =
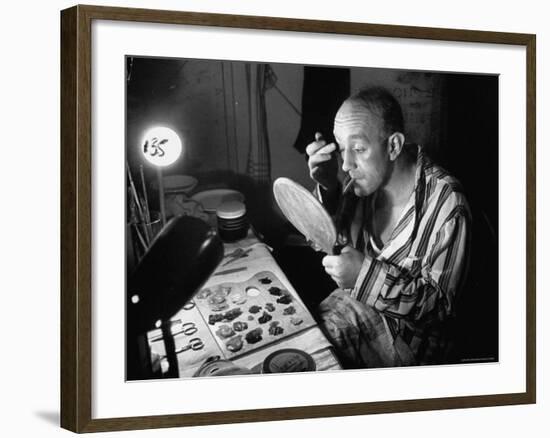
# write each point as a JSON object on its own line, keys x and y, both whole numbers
{"x": 354, "y": 116}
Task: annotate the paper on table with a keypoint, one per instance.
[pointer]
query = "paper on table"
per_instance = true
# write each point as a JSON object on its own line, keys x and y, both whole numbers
{"x": 257, "y": 260}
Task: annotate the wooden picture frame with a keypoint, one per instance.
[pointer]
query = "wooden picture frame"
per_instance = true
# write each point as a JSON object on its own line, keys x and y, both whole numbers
{"x": 76, "y": 217}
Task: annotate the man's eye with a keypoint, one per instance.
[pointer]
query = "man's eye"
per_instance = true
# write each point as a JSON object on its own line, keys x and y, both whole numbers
{"x": 359, "y": 149}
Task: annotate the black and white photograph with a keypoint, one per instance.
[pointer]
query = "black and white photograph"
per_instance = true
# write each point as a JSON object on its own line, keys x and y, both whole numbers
{"x": 286, "y": 218}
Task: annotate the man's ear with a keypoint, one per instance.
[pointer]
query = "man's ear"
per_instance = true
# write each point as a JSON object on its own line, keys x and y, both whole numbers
{"x": 395, "y": 145}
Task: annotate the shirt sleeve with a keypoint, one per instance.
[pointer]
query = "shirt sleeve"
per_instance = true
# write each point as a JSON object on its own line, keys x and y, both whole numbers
{"x": 418, "y": 287}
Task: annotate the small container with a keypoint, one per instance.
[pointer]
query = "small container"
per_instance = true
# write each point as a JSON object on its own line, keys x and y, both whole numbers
{"x": 232, "y": 221}
{"x": 288, "y": 360}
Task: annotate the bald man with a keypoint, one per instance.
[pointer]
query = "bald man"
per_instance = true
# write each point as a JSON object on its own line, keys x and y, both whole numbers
{"x": 408, "y": 239}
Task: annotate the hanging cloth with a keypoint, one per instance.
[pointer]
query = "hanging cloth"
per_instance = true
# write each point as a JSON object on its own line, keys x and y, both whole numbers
{"x": 324, "y": 90}
{"x": 259, "y": 78}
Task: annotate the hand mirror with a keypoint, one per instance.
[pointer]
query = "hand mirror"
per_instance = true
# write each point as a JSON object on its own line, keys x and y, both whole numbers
{"x": 306, "y": 213}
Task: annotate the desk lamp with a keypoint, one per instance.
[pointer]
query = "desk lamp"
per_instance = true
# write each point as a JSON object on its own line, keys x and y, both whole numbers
{"x": 179, "y": 261}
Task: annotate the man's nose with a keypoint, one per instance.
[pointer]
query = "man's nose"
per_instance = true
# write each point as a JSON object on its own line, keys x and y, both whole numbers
{"x": 348, "y": 162}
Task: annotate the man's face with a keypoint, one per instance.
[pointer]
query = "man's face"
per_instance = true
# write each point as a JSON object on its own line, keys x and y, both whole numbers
{"x": 363, "y": 147}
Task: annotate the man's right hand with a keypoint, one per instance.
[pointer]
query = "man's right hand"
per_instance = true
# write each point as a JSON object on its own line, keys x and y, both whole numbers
{"x": 323, "y": 165}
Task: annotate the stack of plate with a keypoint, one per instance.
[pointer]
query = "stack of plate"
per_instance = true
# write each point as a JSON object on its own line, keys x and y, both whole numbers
{"x": 179, "y": 184}
{"x": 212, "y": 199}
{"x": 232, "y": 222}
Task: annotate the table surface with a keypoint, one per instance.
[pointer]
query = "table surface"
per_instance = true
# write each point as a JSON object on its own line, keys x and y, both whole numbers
{"x": 307, "y": 337}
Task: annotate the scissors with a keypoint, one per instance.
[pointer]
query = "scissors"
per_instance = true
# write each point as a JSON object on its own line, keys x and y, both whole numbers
{"x": 194, "y": 344}
{"x": 189, "y": 305}
{"x": 236, "y": 255}
{"x": 186, "y": 328}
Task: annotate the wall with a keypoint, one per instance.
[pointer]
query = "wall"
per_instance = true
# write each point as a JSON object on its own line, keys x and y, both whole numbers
{"x": 29, "y": 279}
{"x": 419, "y": 94}
{"x": 207, "y": 103}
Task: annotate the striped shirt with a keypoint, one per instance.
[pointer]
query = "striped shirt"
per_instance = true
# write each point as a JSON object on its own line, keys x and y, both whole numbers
{"x": 413, "y": 280}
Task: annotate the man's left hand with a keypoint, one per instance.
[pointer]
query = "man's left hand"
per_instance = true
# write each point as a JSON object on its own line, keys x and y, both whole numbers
{"x": 344, "y": 268}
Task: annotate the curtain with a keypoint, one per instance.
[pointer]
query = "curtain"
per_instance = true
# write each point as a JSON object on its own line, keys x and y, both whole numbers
{"x": 259, "y": 78}
{"x": 324, "y": 91}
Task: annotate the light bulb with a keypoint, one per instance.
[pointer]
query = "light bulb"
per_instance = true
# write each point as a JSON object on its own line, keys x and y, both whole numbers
{"x": 161, "y": 146}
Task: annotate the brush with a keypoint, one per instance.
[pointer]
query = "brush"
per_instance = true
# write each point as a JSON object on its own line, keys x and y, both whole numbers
{"x": 341, "y": 219}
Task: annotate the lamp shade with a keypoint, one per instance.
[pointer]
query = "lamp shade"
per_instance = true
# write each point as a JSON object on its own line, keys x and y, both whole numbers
{"x": 180, "y": 260}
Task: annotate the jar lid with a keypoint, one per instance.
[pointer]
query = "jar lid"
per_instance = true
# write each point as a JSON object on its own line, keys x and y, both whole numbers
{"x": 288, "y": 360}
{"x": 231, "y": 210}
